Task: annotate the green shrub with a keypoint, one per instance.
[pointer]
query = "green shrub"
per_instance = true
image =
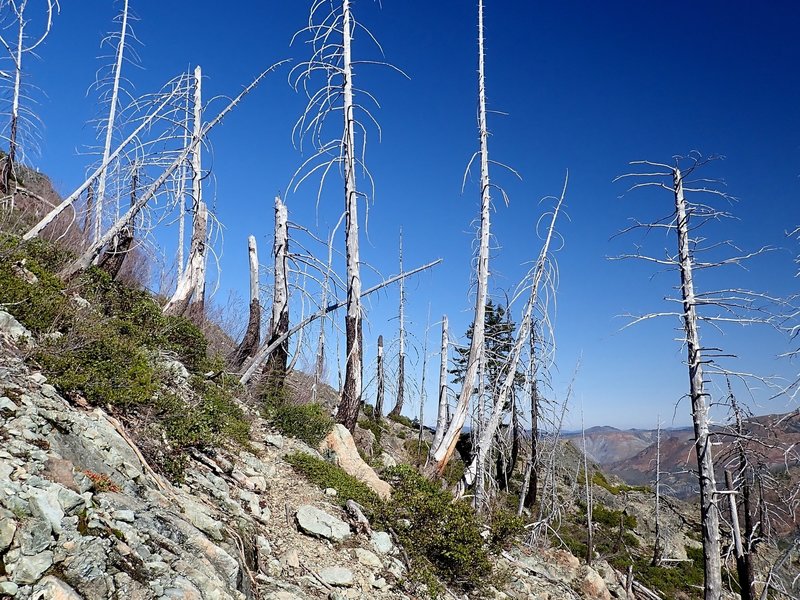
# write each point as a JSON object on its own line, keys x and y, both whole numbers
{"x": 599, "y": 479}
{"x": 443, "y": 532}
{"x": 505, "y": 527}
{"x": 327, "y": 475}
{"x": 403, "y": 420}
{"x": 680, "y": 580}
{"x": 307, "y": 422}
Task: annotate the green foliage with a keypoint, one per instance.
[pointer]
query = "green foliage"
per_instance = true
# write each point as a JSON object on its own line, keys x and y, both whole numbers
{"x": 505, "y": 527}
{"x": 680, "y": 579}
{"x": 418, "y": 455}
{"x": 402, "y": 419}
{"x": 443, "y": 533}
{"x": 610, "y": 517}
{"x": 327, "y": 475}
{"x": 307, "y": 422}
{"x": 599, "y": 479}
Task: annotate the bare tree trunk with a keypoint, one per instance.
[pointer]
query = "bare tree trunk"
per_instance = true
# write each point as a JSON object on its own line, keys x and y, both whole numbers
{"x": 422, "y": 394}
{"x": 252, "y": 337}
{"x": 319, "y": 365}
{"x": 441, "y": 417}
{"x": 377, "y": 414}
{"x": 533, "y": 488}
{"x": 189, "y": 297}
{"x": 10, "y": 162}
{"x": 279, "y": 323}
{"x": 709, "y": 511}
{"x": 658, "y": 546}
{"x": 351, "y": 394}
{"x": 87, "y": 217}
{"x": 588, "y": 488}
{"x": 741, "y": 566}
{"x": 401, "y": 360}
{"x": 479, "y": 496}
{"x": 112, "y": 113}
{"x": 440, "y": 455}
{"x": 181, "y": 193}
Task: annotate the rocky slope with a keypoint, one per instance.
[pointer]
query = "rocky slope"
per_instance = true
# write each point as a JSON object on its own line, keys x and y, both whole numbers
{"x": 82, "y": 515}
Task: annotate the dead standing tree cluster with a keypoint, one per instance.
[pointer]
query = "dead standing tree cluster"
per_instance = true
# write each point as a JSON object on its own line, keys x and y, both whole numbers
{"x": 715, "y": 309}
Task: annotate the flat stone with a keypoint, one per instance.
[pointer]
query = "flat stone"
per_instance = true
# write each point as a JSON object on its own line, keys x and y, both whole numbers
{"x": 70, "y": 501}
{"x": 29, "y": 569}
{"x": 337, "y": 576}
{"x": 34, "y": 536}
{"x": 126, "y": 516}
{"x": 45, "y": 504}
{"x": 274, "y": 440}
{"x": 7, "y": 407}
{"x": 51, "y": 588}
{"x": 291, "y": 559}
{"x": 367, "y": 558}
{"x": 318, "y": 523}
{"x": 8, "y": 588}
{"x": 382, "y": 542}
{"x": 8, "y": 527}
{"x": 331, "y": 492}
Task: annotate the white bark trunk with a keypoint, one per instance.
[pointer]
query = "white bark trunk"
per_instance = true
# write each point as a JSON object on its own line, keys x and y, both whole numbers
{"x": 252, "y": 337}
{"x": 191, "y": 287}
{"x": 351, "y": 394}
{"x": 709, "y": 512}
{"x": 378, "y": 412}
{"x": 279, "y": 322}
{"x": 440, "y": 455}
{"x": 401, "y": 364}
{"x": 112, "y": 113}
{"x": 181, "y": 193}
{"x": 441, "y": 417}
{"x": 658, "y": 547}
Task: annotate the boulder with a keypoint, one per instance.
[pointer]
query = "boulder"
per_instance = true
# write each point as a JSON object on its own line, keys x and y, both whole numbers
{"x": 50, "y": 588}
{"x": 593, "y": 586}
{"x": 315, "y": 522}
{"x": 337, "y": 576}
{"x": 13, "y": 329}
{"x": 340, "y": 448}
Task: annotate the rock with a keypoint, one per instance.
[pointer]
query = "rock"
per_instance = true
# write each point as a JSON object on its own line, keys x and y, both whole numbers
{"x": 388, "y": 461}
{"x": 13, "y": 329}
{"x": 318, "y": 523}
{"x": 8, "y": 588}
{"x": 337, "y": 576}
{"x": 126, "y": 516}
{"x": 8, "y": 527}
{"x": 197, "y": 515}
{"x": 274, "y": 440}
{"x": 70, "y": 501}
{"x": 45, "y": 504}
{"x": 34, "y": 537}
{"x": 593, "y": 586}
{"x": 365, "y": 441}
{"x": 60, "y": 471}
{"x": 382, "y": 542}
{"x": 331, "y": 492}
{"x": 7, "y": 408}
{"x": 31, "y": 568}
{"x": 367, "y": 558}
{"x": 339, "y": 446}
{"x": 379, "y": 583}
{"x": 291, "y": 559}
{"x": 50, "y": 588}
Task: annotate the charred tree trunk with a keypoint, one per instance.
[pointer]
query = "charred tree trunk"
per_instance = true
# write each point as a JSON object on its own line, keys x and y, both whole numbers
{"x": 352, "y": 389}
{"x": 279, "y": 324}
{"x": 377, "y": 414}
{"x": 252, "y": 337}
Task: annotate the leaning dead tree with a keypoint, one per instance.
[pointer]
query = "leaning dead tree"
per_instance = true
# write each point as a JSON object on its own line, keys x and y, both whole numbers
{"x": 85, "y": 260}
{"x": 401, "y": 357}
{"x": 716, "y": 308}
{"x": 540, "y": 276}
{"x": 16, "y": 38}
{"x": 189, "y": 296}
{"x": 441, "y": 453}
{"x": 252, "y": 336}
{"x": 331, "y": 29}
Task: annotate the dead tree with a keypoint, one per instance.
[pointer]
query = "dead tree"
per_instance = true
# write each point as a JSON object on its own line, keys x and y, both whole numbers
{"x": 110, "y": 123}
{"x": 189, "y": 296}
{"x": 84, "y": 261}
{"x": 18, "y": 45}
{"x": 538, "y": 278}
{"x": 658, "y": 545}
{"x": 275, "y": 372}
{"x": 441, "y": 453}
{"x": 733, "y": 306}
{"x": 112, "y": 259}
{"x": 401, "y": 358}
{"x": 442, "y": 414}
{"x": 587, "y": 482}
{"x": 252, "y": 337}
{"x": 377, "y": 414}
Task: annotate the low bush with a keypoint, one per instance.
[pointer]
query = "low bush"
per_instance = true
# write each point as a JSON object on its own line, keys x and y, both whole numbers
{"x": 327, "y": 475}
{"x": 307, "y": 422}
{"x": 403, "y": 420}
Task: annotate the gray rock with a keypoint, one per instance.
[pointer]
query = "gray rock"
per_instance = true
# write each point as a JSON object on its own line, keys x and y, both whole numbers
{"x": 126, "y": 516}
{"x": 337, "y": 576}
{"x": 274, "y": 440}
{"x": 367, "y": 558}
{"x": 7, "y": 408}
{"x": 8, "y": 527}
{"x": 31, "y": 568}
{"x": 195, "y": 513}
{"x": 51, "y": 588}
{"x": 34, "y": 536}
{"x": 382, "y": 542}
{"x": 70, "y": 501}
{"x": 318, "y": 523}
{"x": 45, "y": 504}
{"x": 8, "y": 588}
{"x": 12, "y": 328}
{"x": 331, "y": 492}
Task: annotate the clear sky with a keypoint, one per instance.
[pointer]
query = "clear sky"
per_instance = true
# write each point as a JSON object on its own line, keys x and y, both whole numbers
{"x": 584, "y": 86}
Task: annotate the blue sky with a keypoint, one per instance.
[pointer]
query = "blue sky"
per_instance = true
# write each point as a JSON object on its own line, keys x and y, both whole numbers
{"x": 585, "y": 87}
